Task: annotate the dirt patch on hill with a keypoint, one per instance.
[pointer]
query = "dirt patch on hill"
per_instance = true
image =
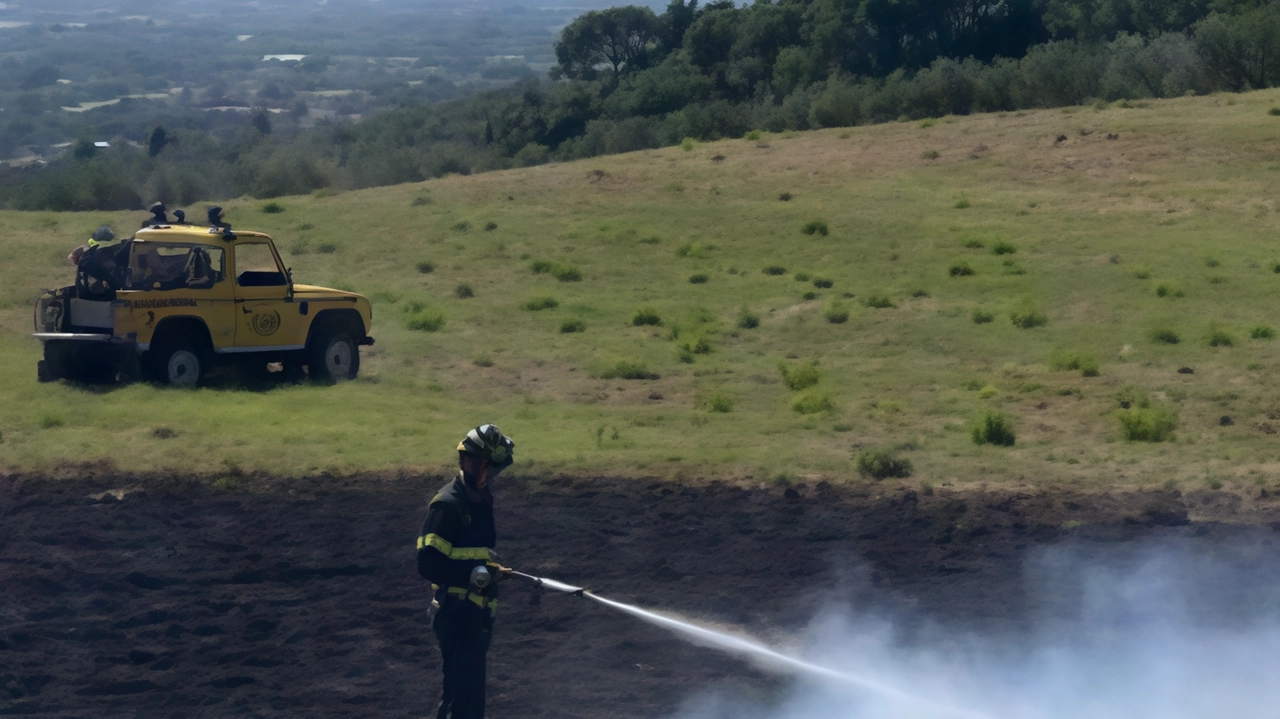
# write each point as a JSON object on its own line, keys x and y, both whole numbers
{"x": 122, "y": 596}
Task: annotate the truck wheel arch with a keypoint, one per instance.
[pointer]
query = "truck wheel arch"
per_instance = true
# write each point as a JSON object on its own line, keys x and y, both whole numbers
{"x": 184, "y": 328}
{"x": 347, "y": 319}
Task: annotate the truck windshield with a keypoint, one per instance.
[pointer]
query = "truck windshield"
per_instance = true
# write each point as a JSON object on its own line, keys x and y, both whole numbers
{"x": 159, "y": 266}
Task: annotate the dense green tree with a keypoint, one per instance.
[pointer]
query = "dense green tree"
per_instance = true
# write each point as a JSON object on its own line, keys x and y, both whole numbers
{"x": 624, "y": 38}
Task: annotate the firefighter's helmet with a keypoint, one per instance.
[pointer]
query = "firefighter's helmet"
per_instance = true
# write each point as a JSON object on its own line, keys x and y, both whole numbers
{"x": 488, "y": 442}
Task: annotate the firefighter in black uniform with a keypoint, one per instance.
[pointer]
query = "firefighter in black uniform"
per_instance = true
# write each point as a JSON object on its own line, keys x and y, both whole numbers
{"x": 455, "y": 553}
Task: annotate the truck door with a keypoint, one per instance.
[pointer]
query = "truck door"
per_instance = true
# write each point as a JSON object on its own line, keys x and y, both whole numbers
{"x": 263, "y": 319}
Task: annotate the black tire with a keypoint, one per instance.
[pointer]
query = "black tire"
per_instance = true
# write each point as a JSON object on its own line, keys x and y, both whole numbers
{"x": 43, "y": 373}
{"x": 178, "y": 365}
{"x": 333, "y": 356}
{"x": 57, "y": 362}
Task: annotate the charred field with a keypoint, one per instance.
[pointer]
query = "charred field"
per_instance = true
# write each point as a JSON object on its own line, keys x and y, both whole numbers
{"x": 162, "y": 596}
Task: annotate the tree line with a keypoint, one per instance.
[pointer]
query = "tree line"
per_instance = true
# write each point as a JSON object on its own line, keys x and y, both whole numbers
{"x": 627, "y": 78}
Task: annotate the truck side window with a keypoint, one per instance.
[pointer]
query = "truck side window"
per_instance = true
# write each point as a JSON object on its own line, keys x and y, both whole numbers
{"x": 256, "y": 266}
{"x": 157, "y": 266}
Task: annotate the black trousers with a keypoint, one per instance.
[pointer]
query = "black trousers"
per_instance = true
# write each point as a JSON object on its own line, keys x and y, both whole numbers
{"x": 464, "y": 630}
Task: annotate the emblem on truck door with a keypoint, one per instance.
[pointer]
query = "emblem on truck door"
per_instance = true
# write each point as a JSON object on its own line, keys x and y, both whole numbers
{"x": 265, "y": 320}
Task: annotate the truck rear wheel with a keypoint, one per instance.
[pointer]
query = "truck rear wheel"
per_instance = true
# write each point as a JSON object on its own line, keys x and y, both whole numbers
{"x": 179, "y": 365}
{"x": 333, "y": 356}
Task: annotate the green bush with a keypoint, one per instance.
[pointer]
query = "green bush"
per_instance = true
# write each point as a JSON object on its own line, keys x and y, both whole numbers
{"x": 974, "y": 244}
{"x": 961, "y": 269}
{"x": 1220, "y": 338}
{"x": 420, "y": 200}
{"x": 719, "y": 402}
{"x": 571, "y": 326}
{"x": 1164, "y": 335}
{"x": 1262, "y": 332}
{"x": 753, "y": 135}
{"x": 815, "y": 227}
{"x": 1141, "y": 274}
{"x": 981, "y": 316}
{"x": 1147, "y": 424}
{"x": 748, "y": 320}
{"x": 463, "y": 226}
{"x": 809, "y": 296}
{"x": 698, "y": 279}
{"x": 801, "y": 277}
{"x": 567, "y": 273}
{"x": 836, "y": 313}
{"x": 628, "y": 370}
{"x": 463, "y": 292}
{"x": 1165, "y": 289}
{"x": 879, "y": 464}
{"x": 1086, "y": 364}
{"x": 490, "y": 226}
{"x": 700, "y": 346}
{"x": 1212, "y": 262}
{"x": 799, "y": 376}
{"x": 537, "y": 304}
{"x": 917, "y": 294}
{"x": 878, "y": 302}
{"x": 962, "y": 204}
{"x": 542, "y": 267}
{"x": 646, "y": 316}
{"x": 823, "y": 283}
{"x": 692, "y": 250}
{"x": 424, "y": 320}
{"x": 775, "y": 270}
{"x": 1275, "y": 267}
{"x": 426, "y": 268}
{"x": 930, "y": 155}
{"x": 1027, "y": 318}
{"x": 993, "y": 428}
{"x": 273, "y": 208}
{"x": 812, "y": 402}
{"x": 1003, "y": 248}
{"x": 687, "y": 144}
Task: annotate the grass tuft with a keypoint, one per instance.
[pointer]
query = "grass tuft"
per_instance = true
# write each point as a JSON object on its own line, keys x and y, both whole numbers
{"x": 882, "y": 464}
{"x": 880, "y": 302}
{"x": 799, "y": 376}
{"x": 961, "y": 269}
{"x": 424, "y": 319}
{"x": 823, "y": 283}
{"x": 836, "y": 313}
{"x": 1165, "y": 335}
{"x": 426, "y": 267}
{"x": 748, "y": 320}
{"x": 993, "y": 428}
{"x": 1086, "y": 364}
{"x": 981, "y": 316}
{"x": 463, "y": 291}
{"x": 537, "y": 304}
{"x": 698, "y": 279}
{"x": 273, "y": 208}
{"x": 628, "y": 370}
{"x": 1028, "y": 317}
{"x": 1262, "y": 332}
{"x": 1147, "y": 424}
{"x": 572, "y": 326}
{"x": 646, "y": 316}
{"x": 1003, "y": 248}
{"x": 1220, "y": 338}
{"x": 815, "y": 227}
{"x": 812, "y": 402}
{"x": 774, "y": 270}
{"x": 719, "y": 402}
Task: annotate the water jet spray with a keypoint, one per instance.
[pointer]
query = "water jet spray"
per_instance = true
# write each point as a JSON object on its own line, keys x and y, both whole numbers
{"x": 757, "y": 652}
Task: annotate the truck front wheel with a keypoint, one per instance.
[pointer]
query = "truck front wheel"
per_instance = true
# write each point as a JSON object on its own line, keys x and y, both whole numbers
{"x": 333, "y": 356}
{"x": 178, "y": 365}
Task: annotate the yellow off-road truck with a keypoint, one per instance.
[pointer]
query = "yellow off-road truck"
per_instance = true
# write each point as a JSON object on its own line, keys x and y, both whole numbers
{"x": 177, "y": 300}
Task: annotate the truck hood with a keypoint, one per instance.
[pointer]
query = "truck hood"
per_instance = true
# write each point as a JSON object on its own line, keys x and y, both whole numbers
{"x": 315, "y": 292}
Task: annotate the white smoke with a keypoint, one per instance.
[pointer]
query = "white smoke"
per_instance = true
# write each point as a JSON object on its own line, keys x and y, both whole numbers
{"x": 1163, "y": 634}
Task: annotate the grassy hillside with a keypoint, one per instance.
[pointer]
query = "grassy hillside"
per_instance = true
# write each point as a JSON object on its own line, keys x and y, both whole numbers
{"x": 1123, "y": 227}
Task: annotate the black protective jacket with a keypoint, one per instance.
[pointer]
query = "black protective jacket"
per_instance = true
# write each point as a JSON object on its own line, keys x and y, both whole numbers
{"x": 458, "y": 536}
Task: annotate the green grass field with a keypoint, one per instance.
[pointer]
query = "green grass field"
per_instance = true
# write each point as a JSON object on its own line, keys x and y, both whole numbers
{"x": 1094, "y": 237}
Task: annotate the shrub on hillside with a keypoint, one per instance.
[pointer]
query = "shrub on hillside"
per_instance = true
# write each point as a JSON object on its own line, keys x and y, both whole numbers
{"x": 646, "y": 316}
{"x": 748, "y": 320}
{"x": 799, "y": 376}
{"x": 571, "y": 326}
{"x": 1003, "y": 248}
{"x": 836, "y": 313}
{"x": 1263, "y": 332}
{"x": 1165, "y": 335}
{"x": 424, "y": 320}
{"x": 1028, "y": 317}
{"x": 718, "y": 402}
{"x": 815, "y": 227}
{"x": 1147, "y": 424}
{"x": 982, "y": 317}
{"x": 961, "y": 269}
{"x": 463, "y": 292}
{"x": 628, "y": 370}
{"x": 878, "y": 302}
{"x": 1220, "y": 338}
{"x": 774, "y": 270}
{"x": 993, "y": 428}
{"x": 273, "y": 208}
{"x": 1085, "y": 363}
{"x": 537, "y": 304}
{"x": 426, "y": 268}
{"x": 698, "y": 279}
{"x": 812, "y": 402}
{"x": 822, "y": 283}
{"x": 881, "y": 464}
